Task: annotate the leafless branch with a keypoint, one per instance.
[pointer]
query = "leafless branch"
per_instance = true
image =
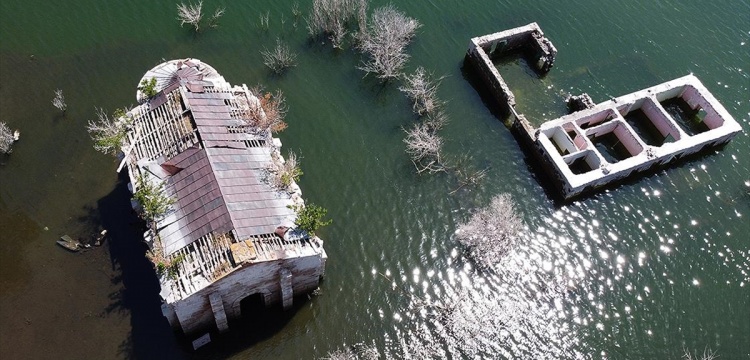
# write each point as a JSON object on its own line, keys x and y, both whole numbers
{"x": 421, "y": 89}
{"x": 279, "y": 58}
{"x": 708, "y": 354}
{"x": 424, "y": 146}
{"x": 59, "y": 101}
{"x": 490, "y": 232}
{"x": 108, "y": 133}
{"x": 263, "y": 20}
{"x": 331, "y": 18}
{"x": 214, "y": 21}
{"x": 7, "y": 138}
{"x": 190, "y": 14}
{"x": 388, "y": 34}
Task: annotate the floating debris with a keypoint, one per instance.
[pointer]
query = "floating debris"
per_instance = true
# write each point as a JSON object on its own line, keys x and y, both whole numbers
{"x": 68, "y": 243}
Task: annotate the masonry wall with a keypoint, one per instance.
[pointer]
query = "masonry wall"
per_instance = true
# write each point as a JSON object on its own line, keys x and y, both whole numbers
{"x": 195, "y": 313}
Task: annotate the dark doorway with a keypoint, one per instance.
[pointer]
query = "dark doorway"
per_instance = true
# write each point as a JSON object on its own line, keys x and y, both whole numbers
{"x": 253, "y": 307}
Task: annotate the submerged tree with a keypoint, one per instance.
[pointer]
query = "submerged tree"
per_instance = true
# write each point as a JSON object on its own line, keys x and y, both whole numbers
{"x": 708, "y": 354}
{"x": 59, "y": 101}
{"x": 424, "y": 146}
{"x": 109, "y": 133}
{"x": 421, "y": 89}
{"x": 388, "y": 34}
{"x": 280, "y": 58}
{"x": 490, "y": 232}
{"x": 6, "y": 139}
{"x": 190, "y": 14}
{"x": 214, "y": 20}
{"x": 331, "y": 18}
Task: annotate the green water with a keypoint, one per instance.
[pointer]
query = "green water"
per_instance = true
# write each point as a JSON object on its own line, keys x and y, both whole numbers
{"x": 658, "y": 264}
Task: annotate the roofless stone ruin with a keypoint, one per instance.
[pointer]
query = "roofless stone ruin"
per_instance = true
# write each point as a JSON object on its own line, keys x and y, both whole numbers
{"x": 599, "y": 144}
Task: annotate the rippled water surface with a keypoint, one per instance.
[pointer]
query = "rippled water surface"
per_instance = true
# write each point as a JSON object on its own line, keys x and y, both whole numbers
{"x": 641, "y": 271}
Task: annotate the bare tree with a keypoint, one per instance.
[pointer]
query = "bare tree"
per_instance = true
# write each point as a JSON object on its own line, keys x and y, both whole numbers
{"x": 708, "y": 354}
{"x": 331, "y": 18}
{"x": 279, "y": 58}
{"x": 191, "y": 14}
{"x": 388, "y": 34}
{"x": 424, "y": 146}
{"x": 7, "y": 138}
{"x": 59, "y": 101}
{"x": 421, "y": 89}
{"x": 263, "y": 20}
{"x": 214, "y": 20}
{"x": 109, "y": 133}
{"x": 490, "y": 232}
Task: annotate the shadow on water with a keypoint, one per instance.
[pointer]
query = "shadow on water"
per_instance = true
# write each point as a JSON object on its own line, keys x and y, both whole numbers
{"x": 150, "y": 336}
{"x": 258, "y": 323}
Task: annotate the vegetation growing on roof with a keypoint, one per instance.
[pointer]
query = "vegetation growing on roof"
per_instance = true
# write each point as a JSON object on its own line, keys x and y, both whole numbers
{"x": 148, "y": 87}
{"x": 168, "y": 266}
{"x": 152, "y": 197}
{"x": 310, "y": 217}
{"x": 284, "y": 172}
{"x": 108, "y": 132}
{"x": 268, "y": 115}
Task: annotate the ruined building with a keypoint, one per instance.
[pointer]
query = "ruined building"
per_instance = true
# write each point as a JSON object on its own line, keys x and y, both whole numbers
{"x": 599, "y": 144}
{"x": 230, "y": 232}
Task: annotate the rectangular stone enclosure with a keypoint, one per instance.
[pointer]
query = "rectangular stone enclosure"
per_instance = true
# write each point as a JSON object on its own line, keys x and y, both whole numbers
{"x": 603, "y": 143}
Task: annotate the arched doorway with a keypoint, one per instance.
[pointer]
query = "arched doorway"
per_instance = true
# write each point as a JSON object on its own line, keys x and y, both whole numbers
{"x": 252, "y": 306}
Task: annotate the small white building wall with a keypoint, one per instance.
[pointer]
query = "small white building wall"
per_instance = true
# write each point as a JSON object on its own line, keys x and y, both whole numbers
{"x": 688, "y": 87}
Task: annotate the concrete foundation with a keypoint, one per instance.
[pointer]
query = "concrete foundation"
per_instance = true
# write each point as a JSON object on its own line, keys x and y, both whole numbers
{"x": 600, "y": 144}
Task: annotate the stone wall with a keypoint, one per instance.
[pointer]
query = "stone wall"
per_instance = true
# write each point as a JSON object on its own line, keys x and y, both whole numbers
{"x": 195, "y": 313}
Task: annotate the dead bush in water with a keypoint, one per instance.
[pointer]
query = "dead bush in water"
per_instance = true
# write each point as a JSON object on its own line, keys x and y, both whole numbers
{"x": 6, "y": 139}
{"x": 388, "y": 34}
{"x": 331, "y": 18}
{"x": 424, "y": 146}
{"x": 421, "y": 89}
{"x": 490, "y": 232}
{"x": 279, "y": 58}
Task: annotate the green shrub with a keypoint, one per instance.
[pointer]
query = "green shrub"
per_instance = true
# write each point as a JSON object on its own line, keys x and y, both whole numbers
{"x": 310, "y": 218}
{"x": 148, "y": 87}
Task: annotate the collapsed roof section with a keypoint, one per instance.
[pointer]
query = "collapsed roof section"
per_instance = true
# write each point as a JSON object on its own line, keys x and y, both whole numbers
{"x": 196, "y": 136}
